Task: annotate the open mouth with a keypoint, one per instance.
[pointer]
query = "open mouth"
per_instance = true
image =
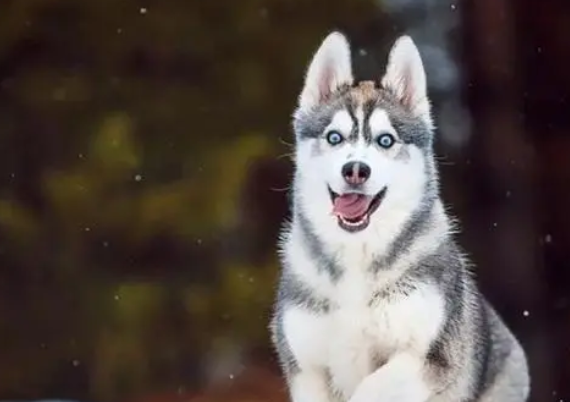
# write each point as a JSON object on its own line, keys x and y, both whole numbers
{"x": 353, "y": 210}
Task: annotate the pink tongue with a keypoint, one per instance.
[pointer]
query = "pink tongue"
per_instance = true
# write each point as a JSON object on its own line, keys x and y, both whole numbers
{"x": 351, "y": 205}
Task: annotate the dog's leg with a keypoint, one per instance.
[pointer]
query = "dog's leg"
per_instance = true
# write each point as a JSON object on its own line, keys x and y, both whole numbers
{"x": 401, "y": 379}
{"x": 309, "y": 386}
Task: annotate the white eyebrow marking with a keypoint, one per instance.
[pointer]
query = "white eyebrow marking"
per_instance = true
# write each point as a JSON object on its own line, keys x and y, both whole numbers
{"x": 341, "y": 122}
{"x": 379, "y": 122}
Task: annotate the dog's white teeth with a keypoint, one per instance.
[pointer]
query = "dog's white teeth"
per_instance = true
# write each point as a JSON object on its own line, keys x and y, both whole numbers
{"x": 349, "y": 223}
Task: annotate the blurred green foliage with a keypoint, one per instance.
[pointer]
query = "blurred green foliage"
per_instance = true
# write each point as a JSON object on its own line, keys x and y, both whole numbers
{"x": 128, "y": 133}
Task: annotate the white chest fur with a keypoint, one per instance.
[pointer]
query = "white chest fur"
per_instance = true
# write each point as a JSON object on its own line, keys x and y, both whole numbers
{"x": 355, "y": 337}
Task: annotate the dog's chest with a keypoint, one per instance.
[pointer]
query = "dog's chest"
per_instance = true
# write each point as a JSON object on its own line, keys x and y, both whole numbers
{"x": 363, "y": 330}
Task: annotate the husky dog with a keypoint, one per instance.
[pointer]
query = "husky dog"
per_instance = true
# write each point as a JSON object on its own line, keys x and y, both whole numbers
{"x": 376, "y": 302}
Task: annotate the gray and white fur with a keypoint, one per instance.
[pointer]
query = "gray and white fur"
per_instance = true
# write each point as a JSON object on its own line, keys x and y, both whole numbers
{"x": 384, "y": 308}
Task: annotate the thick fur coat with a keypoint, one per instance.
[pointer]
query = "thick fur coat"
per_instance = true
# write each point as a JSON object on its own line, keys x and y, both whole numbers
{"x": 376, "y": 302}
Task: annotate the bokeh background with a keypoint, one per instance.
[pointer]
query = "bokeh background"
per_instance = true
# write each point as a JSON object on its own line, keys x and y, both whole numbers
{"x": 143, "y": 169}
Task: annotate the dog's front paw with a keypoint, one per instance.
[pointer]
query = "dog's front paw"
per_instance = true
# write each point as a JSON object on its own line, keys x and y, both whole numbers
{"x": 400, "y": 381}
{"x": 388, "y": 391}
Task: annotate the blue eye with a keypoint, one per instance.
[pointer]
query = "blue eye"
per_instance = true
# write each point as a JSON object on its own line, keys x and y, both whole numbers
{"x": 334, "y": 138}
{"x": 385, "y": 140}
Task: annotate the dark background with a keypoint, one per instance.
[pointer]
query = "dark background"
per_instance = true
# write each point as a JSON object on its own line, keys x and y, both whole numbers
{"x": 143, "y": 168}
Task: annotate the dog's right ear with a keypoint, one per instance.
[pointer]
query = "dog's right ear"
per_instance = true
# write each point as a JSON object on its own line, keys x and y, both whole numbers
{"x": 330, "y": 69}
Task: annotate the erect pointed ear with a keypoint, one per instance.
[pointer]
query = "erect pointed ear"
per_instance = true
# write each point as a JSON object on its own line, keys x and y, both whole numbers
{"x": 329, "y": 70}
{"x": 406, "y": 79}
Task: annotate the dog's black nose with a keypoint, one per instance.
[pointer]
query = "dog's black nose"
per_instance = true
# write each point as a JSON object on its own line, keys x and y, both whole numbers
{"x": 356, "y": 173}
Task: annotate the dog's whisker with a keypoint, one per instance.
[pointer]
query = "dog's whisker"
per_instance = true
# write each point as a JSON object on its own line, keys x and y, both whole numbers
{"x": 286, "y": 155}
{"x": 280, "y": 189}
{"x": 282, "y": 141}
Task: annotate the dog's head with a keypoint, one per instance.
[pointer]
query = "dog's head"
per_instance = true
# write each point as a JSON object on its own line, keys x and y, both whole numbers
{"x": 364, "y": 160}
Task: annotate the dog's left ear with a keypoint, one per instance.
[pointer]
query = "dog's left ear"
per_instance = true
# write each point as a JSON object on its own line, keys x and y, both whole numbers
{"x": 406, "y": 79}
{"x": 330, "y": 69}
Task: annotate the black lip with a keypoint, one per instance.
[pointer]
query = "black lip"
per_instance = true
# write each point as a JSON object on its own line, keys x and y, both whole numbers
{"x": 374, "y": 204}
